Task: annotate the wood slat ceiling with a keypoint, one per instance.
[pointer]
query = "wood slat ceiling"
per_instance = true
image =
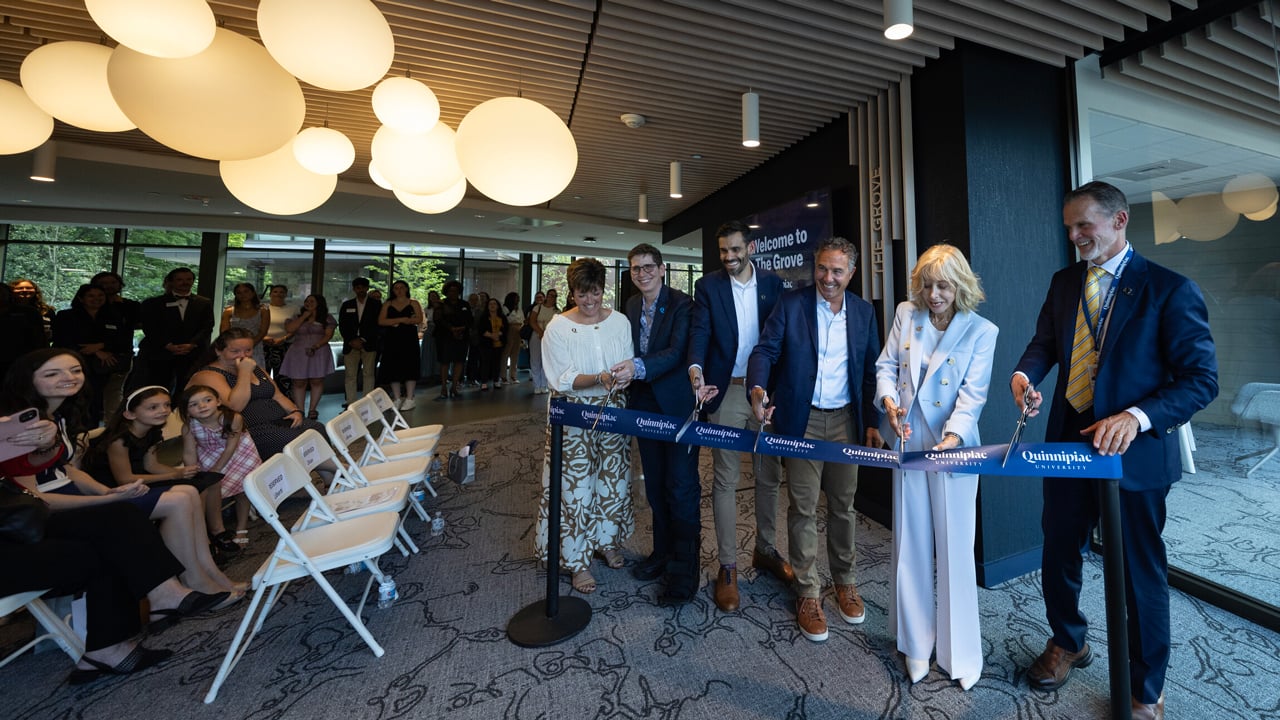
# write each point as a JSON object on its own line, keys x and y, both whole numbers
{"x": 683, "y": 64}
{"x": 1228, "y": 65}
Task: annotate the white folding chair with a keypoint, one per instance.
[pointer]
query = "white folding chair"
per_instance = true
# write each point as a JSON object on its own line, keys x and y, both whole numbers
{"x": 367, "y": 410}
{"x": 398, "y": 429}
{"x": 306, "y": 553}
{"x": 56, "y": 628}
{"x": 349, "y": 497}
{"x": 346, "y": 430}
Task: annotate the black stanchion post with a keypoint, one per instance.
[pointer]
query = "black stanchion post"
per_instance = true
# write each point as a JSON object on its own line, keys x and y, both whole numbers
{"x": 1117, "y": 612}
{"x": 553, "y": 619}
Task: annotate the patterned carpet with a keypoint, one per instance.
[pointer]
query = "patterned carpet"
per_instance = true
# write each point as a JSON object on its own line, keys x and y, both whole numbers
{"x": 448, "y": 656}
{"x": 1222, "y": 525}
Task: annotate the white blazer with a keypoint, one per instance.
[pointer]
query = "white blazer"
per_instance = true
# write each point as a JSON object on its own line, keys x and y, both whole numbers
{"x": 954, "y": 388}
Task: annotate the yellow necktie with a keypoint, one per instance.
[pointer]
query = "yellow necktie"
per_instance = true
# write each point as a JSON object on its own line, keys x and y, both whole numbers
{"x": 1084, "y": 355}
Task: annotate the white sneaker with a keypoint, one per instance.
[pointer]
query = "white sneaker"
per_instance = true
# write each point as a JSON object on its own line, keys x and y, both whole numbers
{"x": 408, "y": 404}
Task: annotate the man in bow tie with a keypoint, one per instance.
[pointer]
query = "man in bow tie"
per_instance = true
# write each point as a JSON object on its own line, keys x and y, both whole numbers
{"x": 175, "y": 332}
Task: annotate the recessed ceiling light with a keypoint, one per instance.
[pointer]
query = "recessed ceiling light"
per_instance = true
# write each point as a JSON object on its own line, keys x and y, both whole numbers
{"x": 24, "y": 201}
{"x": 478, "y": 216}
{"x": 696, "y": 156}
{"x": 577, "y": 197}
{"x": 622, "y": 232}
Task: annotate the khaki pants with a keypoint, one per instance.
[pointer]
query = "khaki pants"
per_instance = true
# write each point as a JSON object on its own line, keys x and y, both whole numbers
{"x": 805, "y": 479}
{"x": 352, "y": 363}
{"x": 735, "y": 411}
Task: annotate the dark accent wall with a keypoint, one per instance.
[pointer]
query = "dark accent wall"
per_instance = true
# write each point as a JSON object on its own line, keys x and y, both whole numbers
{"x": 991, "y": 166}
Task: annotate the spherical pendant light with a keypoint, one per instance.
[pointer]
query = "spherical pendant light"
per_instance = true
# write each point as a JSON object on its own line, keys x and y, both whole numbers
{"x": 516, "y": 151}
{"x": 275, "y": 183}
{"x": 230, "y": 102}
{"x": 419, "y": 163}
{"x": 160, "y": 28}
{"x": 1248, "y": 193}
{"x": 405, "y": 104}
{"x": 1203, "y": 217}
{"x": 437, "y": 203}
{"x": 324, "y": 151}
{"x": 68, "y": 80}
{"x": 334, "y": 44}
{"x": 26, "y": 126}
{"x": 378, "y": 178}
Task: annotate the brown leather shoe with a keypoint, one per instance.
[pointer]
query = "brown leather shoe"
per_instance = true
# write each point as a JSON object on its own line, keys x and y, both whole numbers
{"x": 813, "y": 622}
{"x": 726, "y": 589}
{"x": 849, "y": 604}
{"x": 1144, "y": 711}
{"x": 1052, "y": 669}
{"x": 771, "y": 562}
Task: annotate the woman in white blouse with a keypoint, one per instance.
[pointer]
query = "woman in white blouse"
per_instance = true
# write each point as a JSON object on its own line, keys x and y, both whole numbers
{"x": 578, "y": 348}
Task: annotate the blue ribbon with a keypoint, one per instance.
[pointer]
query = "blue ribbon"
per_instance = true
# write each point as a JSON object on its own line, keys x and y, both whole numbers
{"x": 1070, "y": 460}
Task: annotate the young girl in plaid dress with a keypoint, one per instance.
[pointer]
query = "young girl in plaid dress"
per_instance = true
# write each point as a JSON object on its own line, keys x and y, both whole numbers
{"x": 213, "y": 438}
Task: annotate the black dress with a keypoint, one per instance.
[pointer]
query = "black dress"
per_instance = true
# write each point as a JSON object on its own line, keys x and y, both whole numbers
{"x": 401, "y": 357}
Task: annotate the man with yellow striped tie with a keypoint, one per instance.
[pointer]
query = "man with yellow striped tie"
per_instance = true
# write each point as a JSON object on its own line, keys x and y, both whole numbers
{"x": 1133, "y": 340}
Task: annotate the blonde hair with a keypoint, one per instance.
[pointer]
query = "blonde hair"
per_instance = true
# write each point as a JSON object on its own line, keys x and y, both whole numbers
{"x": 945, "y": 262}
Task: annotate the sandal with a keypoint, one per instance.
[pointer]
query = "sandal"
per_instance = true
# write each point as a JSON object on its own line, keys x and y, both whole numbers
{"x": 313, "y": 415}
{"x": 194, "y": 603}
{"x": 613, "y": 558}
{"x": 241, "y": 539}
{"x": 140, "y": 659}
{"x": 583, "y": 582}
{"x": 231, "y": 601}
{"x": 226, "y": 544}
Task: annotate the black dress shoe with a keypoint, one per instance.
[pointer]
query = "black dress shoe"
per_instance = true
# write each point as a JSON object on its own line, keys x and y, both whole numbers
{"x": 650, "y": 568}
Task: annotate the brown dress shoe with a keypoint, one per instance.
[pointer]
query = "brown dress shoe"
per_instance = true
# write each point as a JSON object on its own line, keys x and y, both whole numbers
{"x": 726, "y": 589}
{"x": 849, "y": 604}
{"x": 771, "y": 562}
{"x": 813, "y": 622}
{"x": 1145, "y": 711}
{"x": 1051, "y": 670}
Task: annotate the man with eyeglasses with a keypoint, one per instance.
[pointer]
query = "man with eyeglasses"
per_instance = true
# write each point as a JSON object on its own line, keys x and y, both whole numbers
{"x": 729, "y": 308}
{"x": 659, "y": 318}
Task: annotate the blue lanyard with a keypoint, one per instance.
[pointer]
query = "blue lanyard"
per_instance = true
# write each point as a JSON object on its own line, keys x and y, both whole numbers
{"x": 1099, "y": 329}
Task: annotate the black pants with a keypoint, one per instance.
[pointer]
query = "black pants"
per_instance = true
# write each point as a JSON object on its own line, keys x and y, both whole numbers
{"x": 110, "y": 552}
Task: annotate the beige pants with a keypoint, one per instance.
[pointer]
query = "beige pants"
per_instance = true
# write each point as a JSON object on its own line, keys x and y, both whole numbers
{"x": 735, "y": 411}
{"x": 805, "y": 479}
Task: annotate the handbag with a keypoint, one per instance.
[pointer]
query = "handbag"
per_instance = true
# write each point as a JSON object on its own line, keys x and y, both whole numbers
{"x": 22, "y": 514}
{"x": 526, "y": 332}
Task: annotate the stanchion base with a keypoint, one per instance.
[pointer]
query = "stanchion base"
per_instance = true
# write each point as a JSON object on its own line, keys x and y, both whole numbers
{"x": 530, "y": 627}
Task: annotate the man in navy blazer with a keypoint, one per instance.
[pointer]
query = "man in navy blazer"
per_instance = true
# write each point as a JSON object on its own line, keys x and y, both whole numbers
{"x": 729, "y": 308}
{"x": 819, "y": 349}
{"x": 1145, "y": 363}
{"x": 659, "y": 318}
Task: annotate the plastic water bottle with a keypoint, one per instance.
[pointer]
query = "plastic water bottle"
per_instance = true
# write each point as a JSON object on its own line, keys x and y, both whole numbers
{"x": 435, "y": 468}
{"x": 387, "y": 593}
{"x": 353, "y": 568}
{"x": 419, "y": 495}
{"x": 437, "y": 525}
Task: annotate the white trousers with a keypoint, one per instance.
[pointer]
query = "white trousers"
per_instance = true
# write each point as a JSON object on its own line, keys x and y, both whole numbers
{"x": 936, "y": 512}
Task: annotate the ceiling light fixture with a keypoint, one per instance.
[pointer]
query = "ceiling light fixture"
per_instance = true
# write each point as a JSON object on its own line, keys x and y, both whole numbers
{"x": 159, "y": 28}
{"x": 26, "y": 126}
{"x": 333, "y": 44}
{"x": 44, "y": 163}
{"x": 676, "y": 180}
{"x": 750, "y": 120}
{"x": 811, "y": 200}
{"x": 516, "y": 151}
{"x": 643, "y": 215}
{"x": 898, "y": 20}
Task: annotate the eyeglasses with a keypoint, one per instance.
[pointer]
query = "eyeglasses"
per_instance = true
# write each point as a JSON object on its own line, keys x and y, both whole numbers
{"x": 646, "y": 269}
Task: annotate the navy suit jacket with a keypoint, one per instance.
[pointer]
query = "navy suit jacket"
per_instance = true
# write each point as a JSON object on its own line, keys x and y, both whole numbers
{"x": 787, "y": 355}
{"x": 1157, "y": 356}
{"x": 365, "y": 327}
{"x": 713, "y": 343}
{"x": 664, "y": 370}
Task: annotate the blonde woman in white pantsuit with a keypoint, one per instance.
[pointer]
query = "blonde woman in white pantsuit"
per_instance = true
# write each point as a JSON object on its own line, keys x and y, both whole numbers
{"x": 932, "y": 380}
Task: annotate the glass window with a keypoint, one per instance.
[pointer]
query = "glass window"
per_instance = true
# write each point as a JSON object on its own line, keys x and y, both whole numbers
{"x": 341, "y": 268}
{"x": 1202, "y": 201}
{"x": 496, "y": 277}
{"x": 145, "y": 268}
{"x": 425, "y": 268}
{"x": 58, "y": 270}
{"x": 549, "y": 274}
{"x": 60, "y": 234}
{"x": 151, "y": 236}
